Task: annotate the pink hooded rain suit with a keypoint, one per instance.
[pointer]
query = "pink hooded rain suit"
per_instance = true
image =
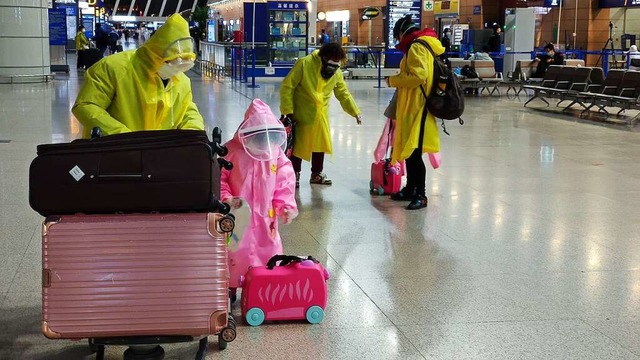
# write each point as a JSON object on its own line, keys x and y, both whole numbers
{"x": 267, "y": 186}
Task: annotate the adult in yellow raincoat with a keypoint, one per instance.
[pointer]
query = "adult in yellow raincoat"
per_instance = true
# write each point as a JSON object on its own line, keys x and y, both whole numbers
{"x": 143, "y": 89}
{"x": 82, "y": 44}
{"x": 304, "y": 96}
{"x": 416, "y": 69}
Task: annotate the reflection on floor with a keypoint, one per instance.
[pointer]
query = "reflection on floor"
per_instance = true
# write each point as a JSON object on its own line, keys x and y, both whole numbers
{"x": 529, "y": 248}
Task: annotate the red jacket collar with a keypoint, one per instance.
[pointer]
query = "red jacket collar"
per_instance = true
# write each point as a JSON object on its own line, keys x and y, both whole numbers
{"x": 407, "y": 40}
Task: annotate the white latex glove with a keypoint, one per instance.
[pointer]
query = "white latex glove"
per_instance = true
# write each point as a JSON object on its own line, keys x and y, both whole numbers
{"x": 234, "y": 202}
{"x": 288, "y": 217}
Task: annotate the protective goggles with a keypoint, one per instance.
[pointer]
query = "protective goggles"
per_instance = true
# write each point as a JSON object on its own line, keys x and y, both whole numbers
{"x": 180, "y": 49}
{"x": 263, "y": 144}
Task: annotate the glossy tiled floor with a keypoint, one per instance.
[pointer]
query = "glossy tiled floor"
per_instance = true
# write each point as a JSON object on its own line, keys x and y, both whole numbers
{"x": 529, "y": 249}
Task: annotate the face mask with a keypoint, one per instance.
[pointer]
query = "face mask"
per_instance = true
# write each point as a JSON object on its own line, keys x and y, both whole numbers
{"x": 173, "y": 68}
{"x": 549, "y": 53}
{"x": 329, "y": 69}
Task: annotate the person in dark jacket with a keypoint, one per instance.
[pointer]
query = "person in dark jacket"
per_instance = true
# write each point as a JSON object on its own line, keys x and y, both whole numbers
{"x": 550, "y": 57}
{"x": 101, "y": 38}
{"x": 495, "y": 41}
{"x": 446, "y": 42}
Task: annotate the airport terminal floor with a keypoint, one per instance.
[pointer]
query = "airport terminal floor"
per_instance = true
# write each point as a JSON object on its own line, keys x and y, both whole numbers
{"x": 529, "y": 247}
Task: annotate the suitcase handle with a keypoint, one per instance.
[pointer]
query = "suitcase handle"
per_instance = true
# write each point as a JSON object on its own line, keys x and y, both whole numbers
{"x": 120, "y": 176}
{"x": 286, "y": 260}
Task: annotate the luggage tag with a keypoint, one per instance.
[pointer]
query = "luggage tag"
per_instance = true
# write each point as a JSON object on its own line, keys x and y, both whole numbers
{"x": 242, "y": 217}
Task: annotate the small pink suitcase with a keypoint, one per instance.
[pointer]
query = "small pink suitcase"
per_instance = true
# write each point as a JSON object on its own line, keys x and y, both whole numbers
{"x": 294, "y": 290}
{"x": 114, "y": 276}
{"x": 385, "y": 178}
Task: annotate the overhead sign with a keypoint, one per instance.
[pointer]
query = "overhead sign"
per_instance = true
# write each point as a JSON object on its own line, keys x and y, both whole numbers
{"x": 477, "y": 10}
{"x": 444, "y": 8}
{"x": 428, "y": 5}
{"x": 370, "y": 13}
{"x": 397, "y": 9}
{"x": 551, "y": 3}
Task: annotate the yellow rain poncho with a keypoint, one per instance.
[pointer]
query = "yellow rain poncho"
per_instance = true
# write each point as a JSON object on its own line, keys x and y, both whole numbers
{"x": 124, "y": 93}
{"x": 81, "y": 41}
{"x": 416, "y": 68}
{"x": 306, "y": 94}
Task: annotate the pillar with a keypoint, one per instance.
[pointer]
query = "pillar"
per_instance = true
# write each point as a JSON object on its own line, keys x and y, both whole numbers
{"x": 24, "y": 37}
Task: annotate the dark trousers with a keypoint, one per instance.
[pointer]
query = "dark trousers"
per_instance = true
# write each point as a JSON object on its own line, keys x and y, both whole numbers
{"x": 317, "y": 162}
{"x": 416, "y": 172}
{"x": 80, "y": 62}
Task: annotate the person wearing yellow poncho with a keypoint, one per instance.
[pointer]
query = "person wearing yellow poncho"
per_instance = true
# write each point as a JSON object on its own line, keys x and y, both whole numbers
{"x": 416, "y": 70}
{"x": 304, "y": 96}
{"x": 143, "y": 89}
{"x": 82, "y": 44}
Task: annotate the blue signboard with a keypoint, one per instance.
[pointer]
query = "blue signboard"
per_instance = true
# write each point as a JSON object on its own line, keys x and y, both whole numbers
{"x": 552, "y": 3}
{"x": 397, "y": 9}
{"x": 287, "y": 5}
{"x": 72, "y": 10}
{"x": 619, "y": 3}
{"x": 87, "y": 22}
{"x": 477, "y": 10}
{"x": 57, "y": 27}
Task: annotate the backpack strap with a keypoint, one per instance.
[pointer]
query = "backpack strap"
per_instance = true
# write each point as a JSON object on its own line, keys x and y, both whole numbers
{"x": 424, "y": 110}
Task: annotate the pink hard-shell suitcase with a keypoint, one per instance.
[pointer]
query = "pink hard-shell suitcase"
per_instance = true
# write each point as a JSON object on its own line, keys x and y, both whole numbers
{"x": 385, "y": 178}
{"x": 146, "y": 276}
{"x": 296, "y": 289}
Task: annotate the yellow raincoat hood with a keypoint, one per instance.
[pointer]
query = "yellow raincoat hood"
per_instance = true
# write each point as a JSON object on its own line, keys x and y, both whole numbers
{"x": 154, "y": 51}
{"x": 123, "y": 92}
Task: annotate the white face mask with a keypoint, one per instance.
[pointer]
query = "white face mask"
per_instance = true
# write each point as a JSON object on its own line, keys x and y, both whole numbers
{"x": 173, "y": 68}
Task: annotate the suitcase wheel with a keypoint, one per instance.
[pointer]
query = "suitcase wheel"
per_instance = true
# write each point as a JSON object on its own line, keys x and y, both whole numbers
{"x": 254, "y": 317}
{"x": 371, "y": 185}
{"x": 380, "y": 190}
{"x": 315, "y": 314}
{"x": 228, "y": 334}
{"x": 227, "y": 224}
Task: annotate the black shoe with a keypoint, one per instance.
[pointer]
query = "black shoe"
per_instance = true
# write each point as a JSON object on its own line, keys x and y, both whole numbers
{"x": 404, "y": 195}
{"x": 418, "y": 202}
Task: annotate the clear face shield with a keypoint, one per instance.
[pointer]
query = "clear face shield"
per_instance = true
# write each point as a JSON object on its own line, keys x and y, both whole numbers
{"x": 178, "y": 58}
{"x": 263, "y": 144}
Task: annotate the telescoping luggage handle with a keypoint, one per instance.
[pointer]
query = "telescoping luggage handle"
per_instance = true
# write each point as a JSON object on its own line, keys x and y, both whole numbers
{"x": 287, "y": 259}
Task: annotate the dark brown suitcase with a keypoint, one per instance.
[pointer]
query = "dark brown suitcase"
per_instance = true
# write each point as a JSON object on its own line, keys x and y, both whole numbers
{"x": 146, "y": 171}
{"x": 116, "y": 278}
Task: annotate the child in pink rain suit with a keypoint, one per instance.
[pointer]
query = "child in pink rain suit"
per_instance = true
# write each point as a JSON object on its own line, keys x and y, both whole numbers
{"x": 263, "y": 177}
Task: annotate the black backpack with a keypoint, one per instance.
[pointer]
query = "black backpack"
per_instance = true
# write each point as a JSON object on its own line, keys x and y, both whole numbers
{"x": 447, "y": 97}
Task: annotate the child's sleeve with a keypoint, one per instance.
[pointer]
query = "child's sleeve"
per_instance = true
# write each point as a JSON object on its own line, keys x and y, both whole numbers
{"x": 284, "y": 197}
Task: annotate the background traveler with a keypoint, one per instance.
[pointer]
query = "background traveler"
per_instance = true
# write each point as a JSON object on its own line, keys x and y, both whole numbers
{"x": 82, "y": 44}
{"x": 495, "y": 40}
{"x": 550, "y": 57}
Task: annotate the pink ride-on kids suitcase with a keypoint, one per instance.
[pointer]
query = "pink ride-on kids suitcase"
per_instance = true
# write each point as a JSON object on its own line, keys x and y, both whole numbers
{"x": 385, "y": 178}
{"x": 296, "y": 289}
